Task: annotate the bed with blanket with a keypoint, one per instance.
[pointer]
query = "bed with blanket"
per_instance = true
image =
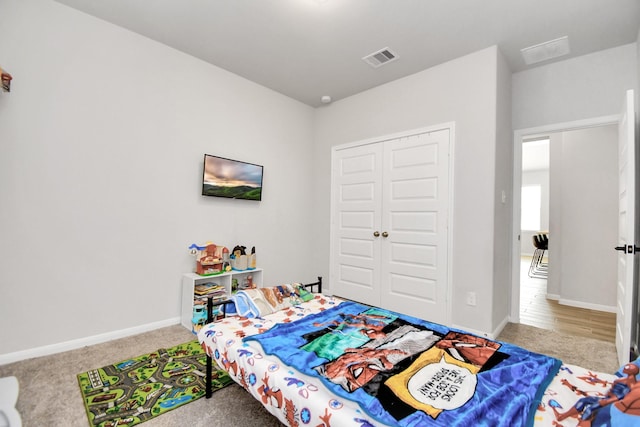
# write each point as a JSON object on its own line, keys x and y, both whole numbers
{"x": 317, "y": 360}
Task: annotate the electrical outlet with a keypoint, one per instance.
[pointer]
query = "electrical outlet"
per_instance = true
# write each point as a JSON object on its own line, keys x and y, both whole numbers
{"x": 471, "y": 299}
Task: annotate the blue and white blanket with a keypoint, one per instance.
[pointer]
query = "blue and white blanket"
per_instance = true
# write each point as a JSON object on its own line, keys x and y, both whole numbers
{"x": 409, "y": 372}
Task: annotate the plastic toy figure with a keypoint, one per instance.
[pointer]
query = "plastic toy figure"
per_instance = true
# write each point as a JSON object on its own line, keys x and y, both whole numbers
{"x": 5, "y": 78}
{"x": 226, "y": 261}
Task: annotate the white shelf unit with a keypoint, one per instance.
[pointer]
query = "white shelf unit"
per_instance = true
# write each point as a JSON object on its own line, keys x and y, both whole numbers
{"x": 190, "y": 280}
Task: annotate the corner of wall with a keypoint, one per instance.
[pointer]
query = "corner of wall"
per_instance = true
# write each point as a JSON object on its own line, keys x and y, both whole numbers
{"x": 503, "y": 191}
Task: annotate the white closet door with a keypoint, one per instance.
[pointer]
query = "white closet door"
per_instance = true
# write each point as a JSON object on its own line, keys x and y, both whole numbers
{"x": 355, "y": 252}
{"x": 415, "y": 201}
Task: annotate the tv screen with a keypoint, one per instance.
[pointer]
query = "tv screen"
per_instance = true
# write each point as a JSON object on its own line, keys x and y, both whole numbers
{"x": 231, "y": 178}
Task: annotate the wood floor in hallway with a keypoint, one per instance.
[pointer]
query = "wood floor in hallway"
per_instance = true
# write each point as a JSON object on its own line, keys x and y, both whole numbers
{"x": 537, "y": 310}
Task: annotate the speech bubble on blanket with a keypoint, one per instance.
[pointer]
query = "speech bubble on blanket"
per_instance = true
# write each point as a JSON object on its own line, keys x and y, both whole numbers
{"x": 442, "y": 385}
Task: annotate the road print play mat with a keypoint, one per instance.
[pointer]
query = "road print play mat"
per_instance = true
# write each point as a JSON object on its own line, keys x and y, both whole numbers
{"x": 138, "y": 389}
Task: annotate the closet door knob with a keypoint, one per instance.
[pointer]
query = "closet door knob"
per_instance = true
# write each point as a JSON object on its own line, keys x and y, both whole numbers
{"x": 376, "y": 233}
{"x": 385, "y": 234}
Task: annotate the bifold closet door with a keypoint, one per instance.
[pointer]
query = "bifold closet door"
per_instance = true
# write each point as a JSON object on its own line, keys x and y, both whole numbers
{"x": 389, "y": 235}
{"x": 356, "y": 218}
{"x": 415, "y": 200}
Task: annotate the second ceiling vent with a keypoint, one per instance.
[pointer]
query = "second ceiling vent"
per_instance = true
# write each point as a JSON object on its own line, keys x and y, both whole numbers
{"x": 381, "y": 57}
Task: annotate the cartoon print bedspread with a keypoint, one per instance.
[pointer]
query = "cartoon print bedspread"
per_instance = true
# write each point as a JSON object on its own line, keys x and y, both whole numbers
{"x": 294, "y": 398}
{"x": 347, "y": 364}
{"x": 408, "y": 372}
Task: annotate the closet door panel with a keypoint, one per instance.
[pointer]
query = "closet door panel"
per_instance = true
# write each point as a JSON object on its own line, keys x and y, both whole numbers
{"x": 355, "y": 250}
{"x": 414, "y": 216}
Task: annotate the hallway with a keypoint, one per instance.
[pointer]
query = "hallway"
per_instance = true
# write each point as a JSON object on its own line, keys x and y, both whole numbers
{"x": 537, "y": 310}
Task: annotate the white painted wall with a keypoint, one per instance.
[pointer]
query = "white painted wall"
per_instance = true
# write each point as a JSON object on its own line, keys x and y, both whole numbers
{"x": 101, "y": 146}
{"x": 502, "y": 209}
{"x": 584, "y": 87}
{"x": 462, "y": 91}
{"x": 588, "y": 216}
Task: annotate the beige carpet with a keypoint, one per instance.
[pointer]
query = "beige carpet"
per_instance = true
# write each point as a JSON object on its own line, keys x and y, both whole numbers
{"x": 49, "y": 393}
{"x": 589, "y": 353}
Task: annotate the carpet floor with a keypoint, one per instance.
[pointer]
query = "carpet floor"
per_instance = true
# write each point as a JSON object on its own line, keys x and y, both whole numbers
{"x": 49, "y": 393}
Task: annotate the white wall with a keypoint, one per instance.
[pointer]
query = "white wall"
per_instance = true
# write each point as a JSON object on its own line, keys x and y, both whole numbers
{"x": 101, "y": 146}
{"x": 462, "y": 91}
{"x": 586, "y": 221}
{"x": 584, "y": 87}
{"x": 502, "y": 208}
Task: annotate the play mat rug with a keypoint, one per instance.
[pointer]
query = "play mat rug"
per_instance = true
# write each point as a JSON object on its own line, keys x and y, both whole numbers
{"x": 138, "y": 389}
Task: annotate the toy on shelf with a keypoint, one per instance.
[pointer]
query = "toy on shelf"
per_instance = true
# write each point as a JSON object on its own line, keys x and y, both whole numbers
{"x": 199, "y": 318}
{"x": 241, "y": 261}
{"x": 210, "y": 259}
{"x": 247, "y": 283}
{"x": 226, "y": 261}
{"x": 239, "y": 258}
{"x": 252, "y": 259}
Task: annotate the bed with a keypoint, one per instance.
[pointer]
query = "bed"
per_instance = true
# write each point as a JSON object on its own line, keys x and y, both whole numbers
{"x": 318, "y": 360}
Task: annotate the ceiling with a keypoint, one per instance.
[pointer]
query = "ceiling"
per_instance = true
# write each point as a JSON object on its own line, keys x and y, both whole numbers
{"x": 309, "y": 48}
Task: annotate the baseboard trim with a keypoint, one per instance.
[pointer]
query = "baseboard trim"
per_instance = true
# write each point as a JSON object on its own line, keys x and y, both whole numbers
{"x": 581, "y": 304}
{"x": 473, "y": 331}
{"x": 489, "y": 335}
{"x": 498, "y": 330}
{"x": 83, "y": 342}
{"x": 590, "y": 306}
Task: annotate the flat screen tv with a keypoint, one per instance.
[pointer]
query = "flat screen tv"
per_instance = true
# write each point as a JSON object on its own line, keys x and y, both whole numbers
{"x": 231, "y": 178}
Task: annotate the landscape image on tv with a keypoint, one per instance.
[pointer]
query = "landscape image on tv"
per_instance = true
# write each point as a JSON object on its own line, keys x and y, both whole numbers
{"x": 231, "y": 178}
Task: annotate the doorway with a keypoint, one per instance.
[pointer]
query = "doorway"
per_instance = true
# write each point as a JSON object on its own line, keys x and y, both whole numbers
{"x": 534, "y": 232}
{"x": 575, "y": 238}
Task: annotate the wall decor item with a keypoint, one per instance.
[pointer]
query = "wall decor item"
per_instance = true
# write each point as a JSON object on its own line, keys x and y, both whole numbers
{"x": 231, "y": 178}
{"x": 5, "y": 79}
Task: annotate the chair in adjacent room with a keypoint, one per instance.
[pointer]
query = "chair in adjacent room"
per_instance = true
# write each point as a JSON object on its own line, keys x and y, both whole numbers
{"x": 539, "y": 268}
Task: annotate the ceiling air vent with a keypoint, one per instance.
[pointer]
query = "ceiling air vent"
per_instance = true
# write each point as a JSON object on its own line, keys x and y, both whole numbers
{"x": 380, "y": 57}
{"x": 547, "y": 50}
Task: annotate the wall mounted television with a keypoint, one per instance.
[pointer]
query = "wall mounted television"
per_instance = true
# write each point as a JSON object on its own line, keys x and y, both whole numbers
{"x": 231, "y": 178}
